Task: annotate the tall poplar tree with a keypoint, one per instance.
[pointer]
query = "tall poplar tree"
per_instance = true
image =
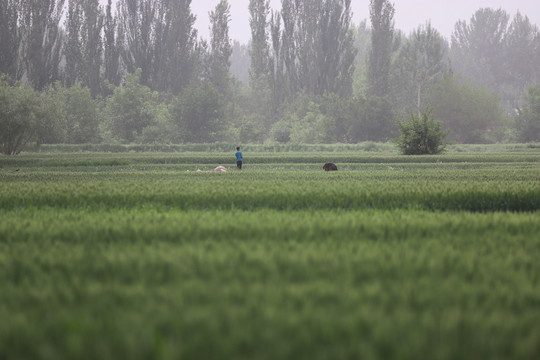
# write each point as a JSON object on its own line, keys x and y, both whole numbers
{"x": 43, "y": 40}
{"x": 72, "y": 46}
{"x": 421, "y": 61}
{"x": 277, "y": 66}
{"x": 478, "y": 47}
{"x": 111, "y": 47}
{"x": 260, "y": 70}
{"x": 137, "y": 20}
{"x": 159, "y": 38}
{"x": 335, "y": 49}
{"x": 522, "y": 59}
{"x": 382, "y": 42}
{"x": 220, "y": 46}
{"x": 92, "y": 45}
{"x": 315, "y": 46}
{"x": 259, "y": 11}
{"x": 175, "y": 46}
{"x": 10, "y": 38}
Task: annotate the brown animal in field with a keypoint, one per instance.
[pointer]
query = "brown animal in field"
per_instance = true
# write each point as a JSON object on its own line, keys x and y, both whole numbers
{"x": 329, "y": 167}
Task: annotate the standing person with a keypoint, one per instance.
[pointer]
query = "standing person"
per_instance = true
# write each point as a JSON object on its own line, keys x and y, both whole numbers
{"x": 239, "y": 158}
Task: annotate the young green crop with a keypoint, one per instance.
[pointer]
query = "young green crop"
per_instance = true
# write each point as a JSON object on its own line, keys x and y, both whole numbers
{"x": 436, "y": 188}
{"x": 131, "y": 256}
{"x": 268, "y": 284}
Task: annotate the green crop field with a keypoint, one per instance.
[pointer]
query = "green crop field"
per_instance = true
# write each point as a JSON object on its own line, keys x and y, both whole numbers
{"x": 137, "y": 255}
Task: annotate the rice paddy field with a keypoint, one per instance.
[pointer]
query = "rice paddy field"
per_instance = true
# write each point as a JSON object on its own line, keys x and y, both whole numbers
{"x": 137, "y": 255}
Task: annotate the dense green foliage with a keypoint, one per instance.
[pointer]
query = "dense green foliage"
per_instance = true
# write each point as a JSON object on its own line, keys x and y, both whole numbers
{"x": 422, "y": 60}
{"x": 497, "y": 52}
{"x": 131, "y": 109}
{"x": 18, "y": 110}
{"x": 421, "y": 135}
{"x": 471, "y": 114}
{"x": 528, "y": 121}
{"x": 382, "y": 44}
{"x": 138, "y": 255}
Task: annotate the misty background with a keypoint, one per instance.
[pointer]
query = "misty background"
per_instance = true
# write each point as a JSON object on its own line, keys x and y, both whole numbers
{"x": 257, "y": 71}
{"x": 409, "y": 13}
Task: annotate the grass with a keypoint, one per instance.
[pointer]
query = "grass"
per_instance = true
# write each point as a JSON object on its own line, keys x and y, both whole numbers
{"x": 132, "y": 256}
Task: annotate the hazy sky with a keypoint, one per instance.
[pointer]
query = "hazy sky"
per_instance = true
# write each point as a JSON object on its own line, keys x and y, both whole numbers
{"x": 409, "y": 13}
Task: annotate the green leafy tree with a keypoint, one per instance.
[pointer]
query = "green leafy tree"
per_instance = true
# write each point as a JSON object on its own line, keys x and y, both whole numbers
{"x": 67, "y": 115}
{"x": 131, "y": 109}
{"x": 262, "y": 101}
{"x": 421, "y": 135}
{"x": 137, "y": 19}
{"x": 281, "y": 132}
{"x": 471, "y": 113}
{"x": 83, "y": 49}
{"x": 198, "y": 114}
{"x": 342, "y": 112}
{"x": 50, "y": 126}
{"x": 18, "y": 108}
{"x": 250, "y": 130}
{"x": 161, "y": 130}
{"x": 177, "y": 54}
{"x": 159, "y": 38}
{"x": 82, "y": 117}
{"x": 277, "y": 64}
{"x": 10, "y": 39}
{"x": 477, "y": 47}
{"x": 41, "y": 50}
{"x": 111, "y": 48}
{"x": 382, "y": 46}
{"x": 522, "y": 59}
{"x": 309, "y": 123}
{"x": 313, "y": 52}
{"x": 259, "y": 12}
{"x": 72, "y": 46}
{"x": 528, "y": 120}
{"x": 220, "y": 47}
{"x": 240, "y": 62}
{"x": 92, "y": 45}
{"x": 362, "y": 43}
{"x": 498, "y": 54}
{"x": 421, "y": 61}
{"x": 384, "y": 43}
{"x": 372, "y": 119}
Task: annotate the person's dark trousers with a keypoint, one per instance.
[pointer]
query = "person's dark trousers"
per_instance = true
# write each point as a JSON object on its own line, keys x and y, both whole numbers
{"x": 239, "y": 165}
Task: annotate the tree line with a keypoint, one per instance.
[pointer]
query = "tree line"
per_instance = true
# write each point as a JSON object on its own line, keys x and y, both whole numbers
{"x": 76, "y": 72}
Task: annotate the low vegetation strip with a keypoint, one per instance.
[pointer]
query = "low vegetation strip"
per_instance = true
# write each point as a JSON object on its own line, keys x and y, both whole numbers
{"x": 283, "y": 194}
{"x": 81, "y": 160}
{"x": 141, "y": 256}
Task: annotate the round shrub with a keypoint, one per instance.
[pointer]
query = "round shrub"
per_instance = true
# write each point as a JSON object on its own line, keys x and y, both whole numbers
{"x": 421, "y": 135}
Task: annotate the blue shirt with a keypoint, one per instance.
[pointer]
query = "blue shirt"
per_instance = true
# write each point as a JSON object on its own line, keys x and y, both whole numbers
{"x": 239, "y": 156}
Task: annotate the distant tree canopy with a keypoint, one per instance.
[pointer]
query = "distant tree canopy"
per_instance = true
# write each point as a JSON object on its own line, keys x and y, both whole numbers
{"x": 18, "y": 120}
{"x": 10, "y": 39}
{"x": 158, "y": 37}
{"x": 220, "y": 47}
{"x": 528, "y": 121}
{"x": 421, "y": 61}
{"x": 313, "y": 47}
{"x": 41, "y": 51}
{"x": 498, "y": 54}
{"x": 79, "y": 71}
{"x": 382, "y": 45}
{"x": 471, "y": 113}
